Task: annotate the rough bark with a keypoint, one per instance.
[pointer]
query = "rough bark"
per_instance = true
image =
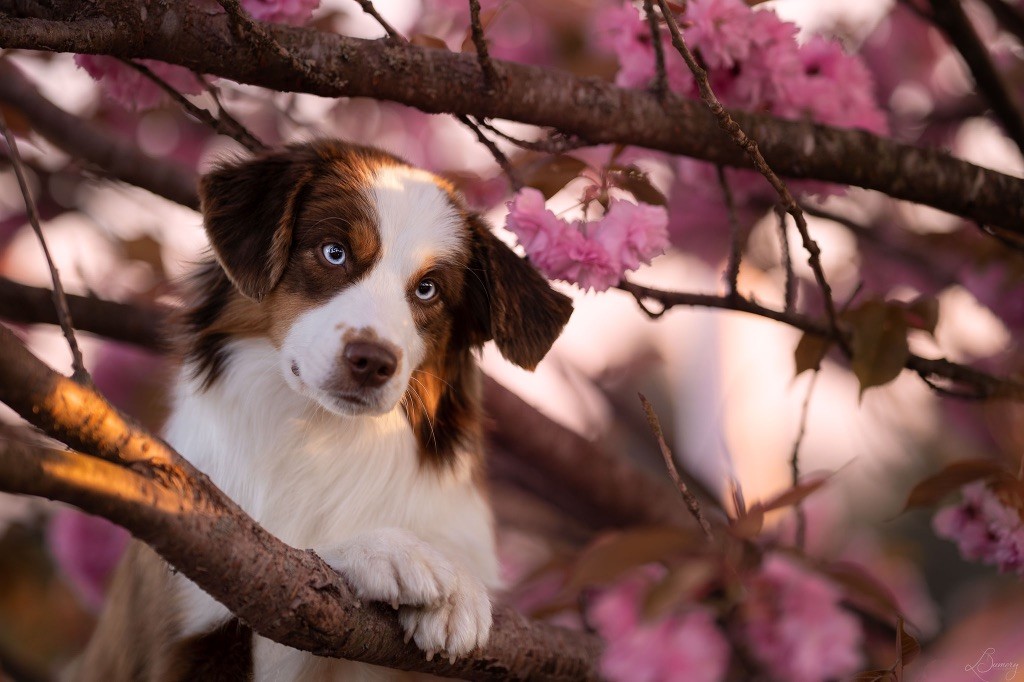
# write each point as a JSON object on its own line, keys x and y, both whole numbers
{"x": 283, "y": 593}
{"x": 440, "y": 81}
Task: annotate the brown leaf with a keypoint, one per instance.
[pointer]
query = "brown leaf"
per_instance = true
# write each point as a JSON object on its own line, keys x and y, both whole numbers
{"x": 909, "y": 647}
{"x": 748, "y": 525}
{"x": 810, "y": 351}
{"x": 878, "y": 343}
{"x": 636, "y": 182}
{"x": 923, "y": 313}
{"x": 611, "y": 556}
{"x": 794, "y": 495}
{"x": 553, "y": 173}
{"x": 425, "y": 40}
{"x": 863, "y": 588}
{"x": 486, "y": 17}
{"x": 953, "y": 477}
{"x": 145, "y": 249}
{"x": 678, "y": 586}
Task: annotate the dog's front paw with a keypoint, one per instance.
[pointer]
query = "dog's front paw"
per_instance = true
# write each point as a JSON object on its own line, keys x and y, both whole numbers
{"x": 454, "y": 627}
{"x": 394, "y": 566}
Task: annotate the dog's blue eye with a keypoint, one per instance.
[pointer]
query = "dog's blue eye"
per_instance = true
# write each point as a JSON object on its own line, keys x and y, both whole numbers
{"x": 334, "y": 253}
{"x": 426, "y": 289}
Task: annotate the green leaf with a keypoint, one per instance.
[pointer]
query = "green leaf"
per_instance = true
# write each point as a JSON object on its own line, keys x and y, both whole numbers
{"x": 809, "y": 353}
{"x": 553, "y": 173}
{"x": 878, "y": 342}
{"x": 953, "y": 477}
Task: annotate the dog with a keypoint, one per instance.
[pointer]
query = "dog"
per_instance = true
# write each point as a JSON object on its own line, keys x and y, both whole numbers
{"x": 329, "y": 386}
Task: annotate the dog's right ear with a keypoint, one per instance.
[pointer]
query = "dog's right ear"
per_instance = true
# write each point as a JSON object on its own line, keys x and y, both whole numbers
{"x": 249, "y": 211}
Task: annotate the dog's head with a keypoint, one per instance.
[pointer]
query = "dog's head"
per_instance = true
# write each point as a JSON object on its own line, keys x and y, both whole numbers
{"x": 370, "y": 278}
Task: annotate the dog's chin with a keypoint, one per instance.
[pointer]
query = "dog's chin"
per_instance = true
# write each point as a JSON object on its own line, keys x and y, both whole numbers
{"x": 351, "y": 405}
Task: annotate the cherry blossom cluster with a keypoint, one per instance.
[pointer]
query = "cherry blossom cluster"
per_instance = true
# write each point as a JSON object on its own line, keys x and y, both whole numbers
{"x": 754, "y": 63}
{"x": 984, "y": 528}
{"x": 134, "y": 90}
{"x": 791, "y": 623}
{"x": 592, "y": 254}
{"x": 687, "y": 647}
{"x": 795, "y": 627}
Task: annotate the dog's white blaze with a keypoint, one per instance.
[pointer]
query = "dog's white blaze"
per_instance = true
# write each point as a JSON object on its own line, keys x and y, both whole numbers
{"x": 314, "y": 477}
{"x": 416, "y": 223}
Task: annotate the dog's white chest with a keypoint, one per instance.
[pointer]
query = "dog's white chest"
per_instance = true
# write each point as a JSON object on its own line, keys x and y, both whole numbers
{"x": 316, "y": 480}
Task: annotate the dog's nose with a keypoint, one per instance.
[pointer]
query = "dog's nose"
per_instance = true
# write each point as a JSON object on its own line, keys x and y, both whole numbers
{"x": 371, "y": 365}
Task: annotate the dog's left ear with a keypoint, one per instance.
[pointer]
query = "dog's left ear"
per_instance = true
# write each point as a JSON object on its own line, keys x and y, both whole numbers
{"x": 249, "y": 211}
{"x": 510, "y": 302}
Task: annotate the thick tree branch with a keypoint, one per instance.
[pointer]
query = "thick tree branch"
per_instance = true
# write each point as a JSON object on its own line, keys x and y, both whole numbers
{"x": 286, "y": 594}
{"x": 439, "y": 81}
{"x": 82, "y": 139}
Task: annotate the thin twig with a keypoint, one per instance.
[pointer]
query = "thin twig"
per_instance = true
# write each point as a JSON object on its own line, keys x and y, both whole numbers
{"x": 787, "y": 261}
{"x": 1008, "y": 16}
{"x": 498, "y": 155}
{"x": 555, "y": 143}
{"x": 476, "y": 28}
{"x": 726, "y": 122}
{"x": 660, "y": 76}
{"x": 225, "y": 124}
{"x": 984, "y": 386}
{"x": 368, "y": 7}
{"x": 732, "y": 270}
{"x": 691, "y": 501}
{"x": 260, "y": 39}
{"x": 794, "y": 462}
{"x": 60, "y": 301}
{"x": 949, "y": 16}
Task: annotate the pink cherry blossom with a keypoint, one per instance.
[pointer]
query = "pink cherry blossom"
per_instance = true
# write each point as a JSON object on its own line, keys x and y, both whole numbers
{"x": 592, "y": 254}
{"x": 633, "y": 232}
{"x": 984, "y": 528}
{"x": 622, "y": 30}
{"x": 720, "y": 30}
{"x": 86, "y": 550}
{"x": 795, "y": 626}
{"x": 685, "y": 647}
{"x": 131, "y": 89}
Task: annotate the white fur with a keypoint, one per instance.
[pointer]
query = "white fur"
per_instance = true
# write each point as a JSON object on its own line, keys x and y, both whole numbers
{"x": 416, "y": 223}
{"x": 349, "y": 486}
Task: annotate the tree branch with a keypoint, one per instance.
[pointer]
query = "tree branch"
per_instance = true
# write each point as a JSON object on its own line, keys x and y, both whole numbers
{"x": 980, "y": 384}
{"x": 59, "y": 300}
{"x": 114, "y": 156}
{"x": 949, "y": 15}
{"x": 444, "y": 82}
{"x": 749, "y": 145}
{"x": 283, "y": 593}
{"x": 225, "y": 124}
